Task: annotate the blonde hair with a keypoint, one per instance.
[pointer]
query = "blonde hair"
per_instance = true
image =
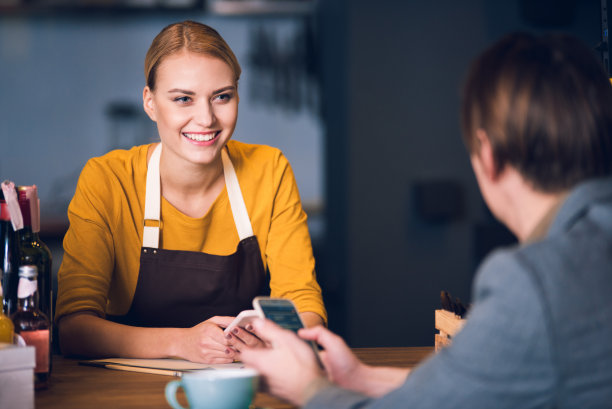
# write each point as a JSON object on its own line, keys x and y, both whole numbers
{"x": 191, "y": 36}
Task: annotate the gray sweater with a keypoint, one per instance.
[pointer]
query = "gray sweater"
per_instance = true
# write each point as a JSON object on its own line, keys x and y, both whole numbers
{"x": 539, "y": 334}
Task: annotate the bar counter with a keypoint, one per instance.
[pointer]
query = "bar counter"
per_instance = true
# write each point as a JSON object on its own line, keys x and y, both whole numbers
{"x": 74, "y": 386}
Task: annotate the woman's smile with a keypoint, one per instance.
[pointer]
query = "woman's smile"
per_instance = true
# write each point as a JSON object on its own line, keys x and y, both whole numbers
{"x": 202, "y": 138}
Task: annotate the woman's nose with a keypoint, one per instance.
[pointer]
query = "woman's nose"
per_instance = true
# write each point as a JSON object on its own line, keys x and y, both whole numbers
{"x": 205, "y": 115}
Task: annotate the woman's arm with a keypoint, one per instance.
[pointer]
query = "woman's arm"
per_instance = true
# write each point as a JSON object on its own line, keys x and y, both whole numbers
{"x": 288, "y": 249}
{"x": 311, "y": 319}
{"x": 86, "y": 334}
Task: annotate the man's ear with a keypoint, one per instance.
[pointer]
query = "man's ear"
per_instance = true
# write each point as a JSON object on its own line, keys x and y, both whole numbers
{"x": 148, "y": 103}
{"x": 486, "y": 156}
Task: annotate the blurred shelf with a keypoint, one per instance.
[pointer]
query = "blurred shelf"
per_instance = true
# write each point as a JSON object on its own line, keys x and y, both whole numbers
{"x": 214, "y": 7}
{"x": 95, "y": 8}
{"x": 260, "y": 7}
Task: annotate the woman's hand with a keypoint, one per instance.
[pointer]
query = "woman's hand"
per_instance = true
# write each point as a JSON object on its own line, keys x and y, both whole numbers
{"x": 206, "y": 342}
{"x": 241, "y": 338}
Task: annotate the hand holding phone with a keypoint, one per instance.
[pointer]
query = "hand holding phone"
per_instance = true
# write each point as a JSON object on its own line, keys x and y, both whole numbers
{"x": 283, "y": 312}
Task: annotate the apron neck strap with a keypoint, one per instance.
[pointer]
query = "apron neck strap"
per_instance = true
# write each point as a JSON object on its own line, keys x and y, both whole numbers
{"x": 152, "y": 219}
{"x": 241, "y": 216}
{"x": 150, "y": 234}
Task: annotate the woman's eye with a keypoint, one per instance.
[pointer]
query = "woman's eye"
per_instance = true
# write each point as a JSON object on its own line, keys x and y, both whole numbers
{"x": 182, "y": 100}
{"x": 223, "y": 97}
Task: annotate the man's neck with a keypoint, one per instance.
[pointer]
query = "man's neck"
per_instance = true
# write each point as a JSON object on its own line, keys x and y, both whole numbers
{"x": 528, "y": 212}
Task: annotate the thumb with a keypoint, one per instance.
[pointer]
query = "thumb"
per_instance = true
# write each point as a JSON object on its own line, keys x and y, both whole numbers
{"x": 312, "y": 333}
{"x": 324, "y": 337}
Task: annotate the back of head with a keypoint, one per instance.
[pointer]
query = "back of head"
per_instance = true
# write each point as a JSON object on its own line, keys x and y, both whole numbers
{"x": 546, "y": 106}
{"x": 190, "y": 36}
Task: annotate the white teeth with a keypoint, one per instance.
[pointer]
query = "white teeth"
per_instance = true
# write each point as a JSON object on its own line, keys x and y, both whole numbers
{"x": 200, "y": 137}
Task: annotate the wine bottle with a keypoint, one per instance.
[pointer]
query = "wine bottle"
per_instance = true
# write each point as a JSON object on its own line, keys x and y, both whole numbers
{"x": 32, "y": 250}
{"x": 8, "y": 251}
{"x": 33, "y": 325}
{"x": 6, "y": 325}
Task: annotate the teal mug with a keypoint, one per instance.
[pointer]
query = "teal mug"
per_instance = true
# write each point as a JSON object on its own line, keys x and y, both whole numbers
{"x": 215, "y": 389}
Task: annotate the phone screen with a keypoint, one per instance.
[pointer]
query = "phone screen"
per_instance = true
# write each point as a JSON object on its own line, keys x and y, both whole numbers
{"x": 284, "y": 314}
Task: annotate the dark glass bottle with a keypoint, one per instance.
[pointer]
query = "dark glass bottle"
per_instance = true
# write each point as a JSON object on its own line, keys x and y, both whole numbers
{"x": 33, "y": 325}
{"x": 9, "y": 256}
{"x": 6, "y": 326}
{"x": 32, "y": 250}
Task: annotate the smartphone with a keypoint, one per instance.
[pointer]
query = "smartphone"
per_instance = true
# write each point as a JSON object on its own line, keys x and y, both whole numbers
{"x": 283, "y": 313}
{"x": 242, "y": 319}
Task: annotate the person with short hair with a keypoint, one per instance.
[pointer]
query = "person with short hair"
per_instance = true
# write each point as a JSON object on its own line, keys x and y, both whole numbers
{"x": 169, "y": 241}
{"x": 537, "y": 123}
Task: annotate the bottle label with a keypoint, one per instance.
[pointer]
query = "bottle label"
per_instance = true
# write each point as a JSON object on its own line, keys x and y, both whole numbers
{"x": 39, "y": 339}
{"x": 26, "y": 287}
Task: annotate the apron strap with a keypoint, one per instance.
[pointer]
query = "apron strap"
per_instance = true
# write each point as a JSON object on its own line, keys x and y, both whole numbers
{"x": 152, "y": 220}
{"x": 150, "y": 234}
{"x": 241, "y": 216}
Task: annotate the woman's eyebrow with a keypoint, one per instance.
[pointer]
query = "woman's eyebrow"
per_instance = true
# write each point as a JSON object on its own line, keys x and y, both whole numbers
{"x": 181, "y": 91}
{"x": 187, "y": 92}
{"x": 228, "y": 88}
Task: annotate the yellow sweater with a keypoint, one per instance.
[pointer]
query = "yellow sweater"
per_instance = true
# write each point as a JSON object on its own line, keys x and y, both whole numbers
{"x": 101, "y": 260}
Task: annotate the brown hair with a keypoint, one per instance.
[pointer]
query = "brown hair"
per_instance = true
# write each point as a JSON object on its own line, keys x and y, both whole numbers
{"x": 546, "y": 106}
{"x": 191, "y": 36}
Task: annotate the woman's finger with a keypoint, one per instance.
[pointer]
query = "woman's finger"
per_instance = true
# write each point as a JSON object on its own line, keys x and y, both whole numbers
{"x": 245, "y": 337}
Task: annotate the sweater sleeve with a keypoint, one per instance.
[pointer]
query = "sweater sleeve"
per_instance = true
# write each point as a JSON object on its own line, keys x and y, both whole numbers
{"x": 85, "y": 274}
{"x": 500, "y": 359}
{"x": 289, "y": 249}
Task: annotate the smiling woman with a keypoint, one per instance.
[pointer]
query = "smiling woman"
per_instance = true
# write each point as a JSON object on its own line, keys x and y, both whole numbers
{"x": 195, "y": 105}
{"x": 168, "y": 241}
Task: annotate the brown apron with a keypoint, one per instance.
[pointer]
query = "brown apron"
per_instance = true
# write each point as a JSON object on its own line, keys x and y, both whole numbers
{"x": 183, "y": 288}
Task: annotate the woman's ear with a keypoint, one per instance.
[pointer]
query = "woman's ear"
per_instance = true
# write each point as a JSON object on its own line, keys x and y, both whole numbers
{"x": 148, "y": 103}
{"x": 485, "y": 154}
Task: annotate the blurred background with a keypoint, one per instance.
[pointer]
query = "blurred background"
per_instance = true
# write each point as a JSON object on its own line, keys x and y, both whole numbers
{"x": 361, "y": 96}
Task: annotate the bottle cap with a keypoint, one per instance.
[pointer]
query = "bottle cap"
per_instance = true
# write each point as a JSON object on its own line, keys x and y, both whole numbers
{"x": 28, "y": 271}
{"x": 26, "y": 214}
{"x": 30, "y": 206}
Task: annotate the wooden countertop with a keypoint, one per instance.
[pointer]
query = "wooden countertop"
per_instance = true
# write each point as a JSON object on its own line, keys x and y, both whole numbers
{"x": 74, "y": 386}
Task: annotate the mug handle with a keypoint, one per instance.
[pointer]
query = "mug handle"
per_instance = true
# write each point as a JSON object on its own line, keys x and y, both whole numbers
{"x": 171, "y": 388}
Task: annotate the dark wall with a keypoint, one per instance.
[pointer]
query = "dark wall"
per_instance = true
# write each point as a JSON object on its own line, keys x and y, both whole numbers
{"x": 405, "y": 218}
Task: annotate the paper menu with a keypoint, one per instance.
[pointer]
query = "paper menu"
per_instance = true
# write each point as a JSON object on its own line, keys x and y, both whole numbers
{"x": 161, "y": 366}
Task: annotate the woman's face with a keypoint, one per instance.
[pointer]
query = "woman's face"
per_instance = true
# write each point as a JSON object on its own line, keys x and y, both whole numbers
{"x": 195, "y": 106}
